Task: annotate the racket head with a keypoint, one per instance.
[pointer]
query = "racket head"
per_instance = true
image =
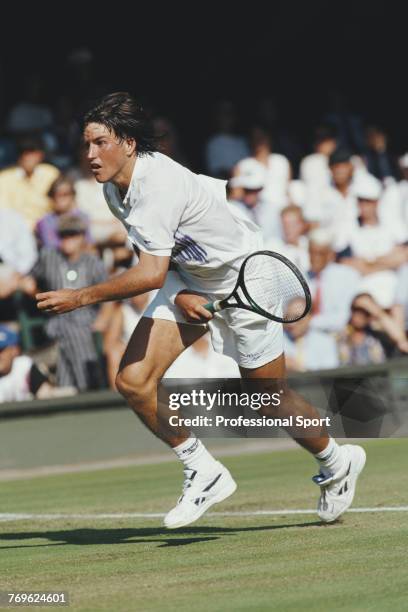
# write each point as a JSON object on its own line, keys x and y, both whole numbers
{"x": 273, "y": 287}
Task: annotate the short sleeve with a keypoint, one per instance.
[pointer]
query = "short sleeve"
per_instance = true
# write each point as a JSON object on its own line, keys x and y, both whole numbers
{"x": 154, "y": 221}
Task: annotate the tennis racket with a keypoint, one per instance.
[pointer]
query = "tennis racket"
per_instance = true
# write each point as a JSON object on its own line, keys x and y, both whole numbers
{"x": 270, "y": 285}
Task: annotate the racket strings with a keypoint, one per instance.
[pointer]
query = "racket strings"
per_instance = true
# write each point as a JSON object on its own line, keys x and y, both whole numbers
{"x": 274, "y": 287}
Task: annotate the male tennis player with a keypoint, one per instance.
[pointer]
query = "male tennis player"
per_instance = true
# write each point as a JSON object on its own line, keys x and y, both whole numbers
{"x": 176, "y": 217}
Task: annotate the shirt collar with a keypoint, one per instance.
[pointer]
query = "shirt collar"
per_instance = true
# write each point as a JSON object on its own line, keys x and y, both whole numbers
{"x": 139, "y": 171}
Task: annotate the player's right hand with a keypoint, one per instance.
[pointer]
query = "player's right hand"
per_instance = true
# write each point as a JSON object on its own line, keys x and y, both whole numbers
{"x": 192, "y": 307}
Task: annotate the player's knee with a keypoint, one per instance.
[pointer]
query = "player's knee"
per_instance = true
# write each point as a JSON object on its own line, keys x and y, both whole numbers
{"x": 136, "y": 385}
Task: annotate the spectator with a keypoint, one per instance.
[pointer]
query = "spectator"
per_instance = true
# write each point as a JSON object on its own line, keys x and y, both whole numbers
{"x": 314, "y": 168}
{"x": 378, "y": 160}
{"x": 62, "y": 196}
{"x": 225, "y": 148}
{"x": 105, "y": 229}
{"x": 18, "y": 254}
{"x": 71, "y": 266}
{"x": 24, "y": 187}
{"x": 275, "y": 167}
{"x": 371, "y": 334}
{"x": 307, "y": 348}
{"x": 20, "y": 378}
{"x": 246, "y": 189}
{"x": 338, "y": 203}
{"x": 314, "y": 172}
{"x": 332, "y": 285}
{"x": 370, "y": 239}
{"x": 294, "y": 244}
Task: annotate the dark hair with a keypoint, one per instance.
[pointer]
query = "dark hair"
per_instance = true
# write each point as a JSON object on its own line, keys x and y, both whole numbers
{"x": 339, "y": 156}
{"x": 29, "y": 142}
{"x": 62, "y": 179}
{"x": 123, "y": 116}
{"x": 322, "y": 133}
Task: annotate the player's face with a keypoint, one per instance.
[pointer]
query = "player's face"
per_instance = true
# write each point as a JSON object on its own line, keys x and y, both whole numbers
{"x": 105, "y": 153}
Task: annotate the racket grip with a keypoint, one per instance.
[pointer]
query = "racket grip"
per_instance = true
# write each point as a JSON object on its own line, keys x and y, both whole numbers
{"x": 213, "y": 306}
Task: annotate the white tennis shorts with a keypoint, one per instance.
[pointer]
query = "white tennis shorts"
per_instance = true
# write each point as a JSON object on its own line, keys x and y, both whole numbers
{"x": 251, "y": 340}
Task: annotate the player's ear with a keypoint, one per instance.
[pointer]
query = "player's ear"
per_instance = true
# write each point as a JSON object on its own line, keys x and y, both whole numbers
{"x": 130, "y": 144}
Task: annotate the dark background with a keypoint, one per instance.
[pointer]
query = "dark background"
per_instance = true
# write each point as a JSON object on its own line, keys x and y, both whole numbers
{"x": 180, "y": 59}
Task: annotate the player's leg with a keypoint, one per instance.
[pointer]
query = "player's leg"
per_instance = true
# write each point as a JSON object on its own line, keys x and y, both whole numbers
{"x": 340, "y": 466}
{"x": 153, "y": 347}
{"x": 274, "y": 379}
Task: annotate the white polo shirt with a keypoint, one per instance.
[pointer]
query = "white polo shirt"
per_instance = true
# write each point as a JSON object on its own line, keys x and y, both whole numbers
{"x": 170, "y": 211}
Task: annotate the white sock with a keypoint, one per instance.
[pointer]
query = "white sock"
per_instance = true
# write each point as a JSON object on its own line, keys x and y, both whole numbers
{"x": 330, "y": 459}
{"x": 195, "y": 456}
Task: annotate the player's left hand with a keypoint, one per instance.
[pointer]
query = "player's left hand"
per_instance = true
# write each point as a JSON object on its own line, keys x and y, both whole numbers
{"x": 58, "y": 302}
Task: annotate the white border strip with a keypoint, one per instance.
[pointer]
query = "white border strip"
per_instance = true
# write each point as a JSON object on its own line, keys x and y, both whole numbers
{"x": 4, "y": 517}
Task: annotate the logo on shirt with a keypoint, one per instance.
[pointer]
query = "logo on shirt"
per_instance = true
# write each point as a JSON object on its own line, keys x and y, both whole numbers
{"x": 186, "y": 249}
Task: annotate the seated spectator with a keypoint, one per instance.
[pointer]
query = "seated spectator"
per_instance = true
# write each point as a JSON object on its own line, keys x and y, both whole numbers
{"x": 377, "y": 158}
{"x": 314, "y": 168}
{"x": 20, "y": 378}
{"x": 294, "y": 244}
{"x": 307, "y": 348}
{"x": 62, "y": 196}
{"x": 225, "y": 148}
{"x": 24, "y": 187}
{"x": 275, "y": 167}
{"x": 332, "y": 285}
{"x": 244, "y": 195}
{"x": 105, "y": 229}
{"x": 338, "y": 200}
{"x": 371, "y": 239}
{"x": 371, "y": 334}
{"x": 18, "y": 254}
{"x": 72, "y": 266}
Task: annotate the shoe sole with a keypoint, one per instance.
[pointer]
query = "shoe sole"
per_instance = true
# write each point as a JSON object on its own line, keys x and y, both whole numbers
{"x": 225, "y": 492}
{"x": 357, "y": 467}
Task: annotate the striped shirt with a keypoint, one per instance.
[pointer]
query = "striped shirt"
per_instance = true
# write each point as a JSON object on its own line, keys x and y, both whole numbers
{"x": 53, "y": 271}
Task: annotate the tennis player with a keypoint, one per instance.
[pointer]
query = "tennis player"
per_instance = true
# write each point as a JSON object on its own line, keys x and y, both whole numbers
{"x": 180, "y": 220}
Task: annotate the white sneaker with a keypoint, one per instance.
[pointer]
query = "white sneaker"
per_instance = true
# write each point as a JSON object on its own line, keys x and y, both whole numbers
{"x": 200, "y": 492}
{"x": 337, "y": 491}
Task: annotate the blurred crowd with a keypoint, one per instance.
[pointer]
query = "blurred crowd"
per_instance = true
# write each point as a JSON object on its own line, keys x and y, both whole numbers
{"x": 338, "y": 211}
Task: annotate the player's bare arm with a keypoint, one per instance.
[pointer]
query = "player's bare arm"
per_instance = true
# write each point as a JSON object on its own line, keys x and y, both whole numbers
{"x": 149, "y": 274}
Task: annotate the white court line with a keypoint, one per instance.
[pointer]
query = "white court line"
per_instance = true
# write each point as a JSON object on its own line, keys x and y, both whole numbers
{"x": 4, "y": 517}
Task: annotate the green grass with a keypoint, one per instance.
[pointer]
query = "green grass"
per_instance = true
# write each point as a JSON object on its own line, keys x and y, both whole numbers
{"x": 283, "y": 563}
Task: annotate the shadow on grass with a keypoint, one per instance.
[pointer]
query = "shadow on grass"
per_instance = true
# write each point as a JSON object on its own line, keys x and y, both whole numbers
{"x": 164, "y": 537}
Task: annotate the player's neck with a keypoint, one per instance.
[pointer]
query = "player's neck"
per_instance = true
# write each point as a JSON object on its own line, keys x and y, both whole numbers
{"x": 123, "y": 178}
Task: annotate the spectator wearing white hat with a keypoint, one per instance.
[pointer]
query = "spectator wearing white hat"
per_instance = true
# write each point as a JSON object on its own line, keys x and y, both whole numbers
{"x": 371, "y": 239}
{"x": 276, "y": 171}
{"x": 244, "y": 194}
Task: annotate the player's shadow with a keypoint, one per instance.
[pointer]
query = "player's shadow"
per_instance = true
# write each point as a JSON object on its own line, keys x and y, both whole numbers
{"x": 182, "y": 537}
